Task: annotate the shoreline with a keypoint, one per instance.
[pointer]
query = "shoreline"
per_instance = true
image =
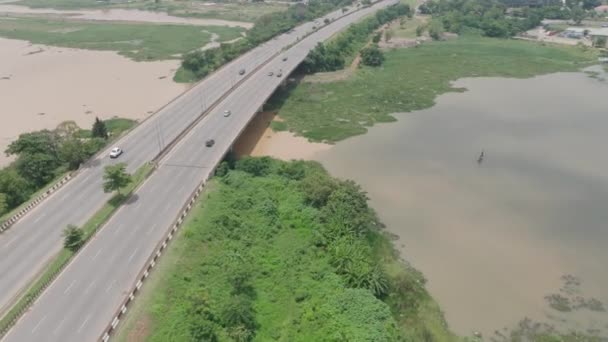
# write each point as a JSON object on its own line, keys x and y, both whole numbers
{"x": 259, "y": 139}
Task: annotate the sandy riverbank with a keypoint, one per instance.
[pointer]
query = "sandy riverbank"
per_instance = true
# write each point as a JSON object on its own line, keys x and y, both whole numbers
{"x": 260, "y": 140}
{"x": 118, "y": 14}
{"x": 43, "y": 86}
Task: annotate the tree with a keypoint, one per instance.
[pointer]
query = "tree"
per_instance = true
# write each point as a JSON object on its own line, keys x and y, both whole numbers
{"x": 14, "y": 187}
{"x": 577, "y": 14}
{"x": 388, "y": 35}
{"x": 73, "y": 238}
{"x": 436, "y": 29}
{"x": 326, "y": 21}
{"x": 73, "y": 152}
{"x": 115, "y": 177}
{"x": 419, "y": 30}
{"x": 599, "y": 42}
{"x": 377, "y": 37}
{"x": 372, "y": 56}
{"x": 99, "y": 129}
{"x": 3, "y": 204}
{"x": 44, "y": 142}
{"x": 37, "y": 168}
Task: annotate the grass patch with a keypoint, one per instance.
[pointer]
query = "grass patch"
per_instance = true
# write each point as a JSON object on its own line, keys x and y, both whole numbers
{"x": 259, "y": 240}
{"x": 138, "y": 41}
{"x": 63, "y": 258}
{"x": 411, "y": 79}
{"x": 278, "y": 126}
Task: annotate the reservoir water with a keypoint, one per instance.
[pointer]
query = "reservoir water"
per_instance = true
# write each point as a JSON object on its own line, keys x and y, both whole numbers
{"x": 503, "y": 238}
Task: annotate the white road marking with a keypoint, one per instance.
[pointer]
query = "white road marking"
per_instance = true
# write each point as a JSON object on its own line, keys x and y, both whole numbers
{"x": 40, "y": 217}
{"x": 10, "y": 242}
{"x": 84, "y": 323}
{"x": 133, "y": 254}
{"x": 59, "y": 326}
{"x": 118, "y": 228}
{"x": 69, "y": 287}
{"x": 111, "y": 285}
{"x": 37, "y": 325}
{"x": 96, "y": 254}
{"x": 150, "y": 229}
{"x": 89, "y": 287}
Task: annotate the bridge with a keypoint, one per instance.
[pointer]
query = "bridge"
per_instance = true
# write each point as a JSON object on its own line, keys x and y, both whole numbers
{"x": 84, "y": 299}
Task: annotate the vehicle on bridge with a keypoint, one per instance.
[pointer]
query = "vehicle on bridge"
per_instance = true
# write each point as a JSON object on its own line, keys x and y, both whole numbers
{"x": 115, "y": 153}
{"x": 209, "y": 142}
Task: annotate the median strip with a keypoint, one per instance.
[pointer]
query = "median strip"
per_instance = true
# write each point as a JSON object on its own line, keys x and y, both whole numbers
{"x": 58, "y": 263}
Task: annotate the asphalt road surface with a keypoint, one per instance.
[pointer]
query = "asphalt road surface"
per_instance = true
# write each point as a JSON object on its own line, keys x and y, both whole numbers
{"x": 29, "y": 244}
{"x": 82, "y": 300}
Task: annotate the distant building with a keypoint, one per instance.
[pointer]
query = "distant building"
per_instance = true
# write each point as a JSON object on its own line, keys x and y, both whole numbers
{"x": 602, "y": 9}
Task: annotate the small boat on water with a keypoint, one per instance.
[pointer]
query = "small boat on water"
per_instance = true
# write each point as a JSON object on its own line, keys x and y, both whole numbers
{"x": 480, "y": 159}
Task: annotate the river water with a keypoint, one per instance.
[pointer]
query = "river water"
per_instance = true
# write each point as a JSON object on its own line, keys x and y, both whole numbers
{"x": 495, "y": 238}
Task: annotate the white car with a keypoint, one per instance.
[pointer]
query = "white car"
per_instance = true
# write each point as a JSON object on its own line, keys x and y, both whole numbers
{"x": 115, "y": 153}
{"x": 227, "y": 113}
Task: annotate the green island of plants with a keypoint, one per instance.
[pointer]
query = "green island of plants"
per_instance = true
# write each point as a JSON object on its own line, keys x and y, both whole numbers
{"x": 281, "y": 251}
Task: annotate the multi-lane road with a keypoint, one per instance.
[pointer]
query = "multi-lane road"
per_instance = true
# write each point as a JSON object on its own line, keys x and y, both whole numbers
{"x": 82, "y": 300}
{"x": 26, "y": 246}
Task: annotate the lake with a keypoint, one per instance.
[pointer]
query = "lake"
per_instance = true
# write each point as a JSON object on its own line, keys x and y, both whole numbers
{"x": 496, "y": 237}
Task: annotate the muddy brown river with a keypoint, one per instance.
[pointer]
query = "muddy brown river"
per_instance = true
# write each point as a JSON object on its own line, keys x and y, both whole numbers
{"x": 497, "y": 237}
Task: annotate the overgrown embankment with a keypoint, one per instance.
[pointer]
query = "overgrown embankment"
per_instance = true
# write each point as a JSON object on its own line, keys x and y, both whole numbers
{"x": 411, "y": 79}
{"x": 282, "y": 251}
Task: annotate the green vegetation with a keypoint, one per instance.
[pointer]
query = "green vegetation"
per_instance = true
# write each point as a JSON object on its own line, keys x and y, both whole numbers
{"x": 44, "y": 156}
{"x": 372, "y": 56}
{"x": 410, "y": 79}
{"x": 282, "y": 251}
{"x": 198, "y": 64}
{"x": 489, "y": 17}
{"x": 333, "y": 55}
{"x": 115, "y": 177}
{"x": 138, "y": 41}
{"x": 73, "y": 238}
{"x": 65, "y": 255}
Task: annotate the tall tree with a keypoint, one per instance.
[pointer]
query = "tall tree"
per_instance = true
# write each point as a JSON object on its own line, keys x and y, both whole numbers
{"x": 115, "y": 177}
{"x": 73, "y": 152}
{"x": 45, "y": 142}
{"x": 99, "y": 129}
{"x": 37, "y": 168}
{"x": 577, "y": 14}
{"x": 14, "y": 187}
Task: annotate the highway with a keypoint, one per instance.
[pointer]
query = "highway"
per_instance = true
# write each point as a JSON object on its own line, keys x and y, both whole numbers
{"x": 31, "y": 242}
{"x": 81, "y": 302}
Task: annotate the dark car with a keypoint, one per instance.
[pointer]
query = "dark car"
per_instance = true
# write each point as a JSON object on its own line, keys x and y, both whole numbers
{"x": 209, "y": 142}
{"x": 242, "y": 72}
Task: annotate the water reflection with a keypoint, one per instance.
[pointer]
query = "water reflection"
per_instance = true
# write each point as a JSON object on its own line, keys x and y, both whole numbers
{"x": 495, "y": 237}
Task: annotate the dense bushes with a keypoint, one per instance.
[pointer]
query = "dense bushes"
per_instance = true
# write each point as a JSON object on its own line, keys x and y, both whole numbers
{"x": 490, "y": 17}
{"x": 332, "y": 55}
{"x": 43, "y": 155}
{"x": 282, "y": 251}
{"x": 201, "y": 63}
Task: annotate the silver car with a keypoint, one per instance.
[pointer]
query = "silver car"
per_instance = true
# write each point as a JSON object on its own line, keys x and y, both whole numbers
{"x": 115, "y": 153}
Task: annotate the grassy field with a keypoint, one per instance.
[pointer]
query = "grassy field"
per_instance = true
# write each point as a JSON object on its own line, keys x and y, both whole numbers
{"x": 262, "y": 242}
{"x": 247, "y": 12}
{"x": 138, "y": 41}
{"x": 411, "y": 79}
